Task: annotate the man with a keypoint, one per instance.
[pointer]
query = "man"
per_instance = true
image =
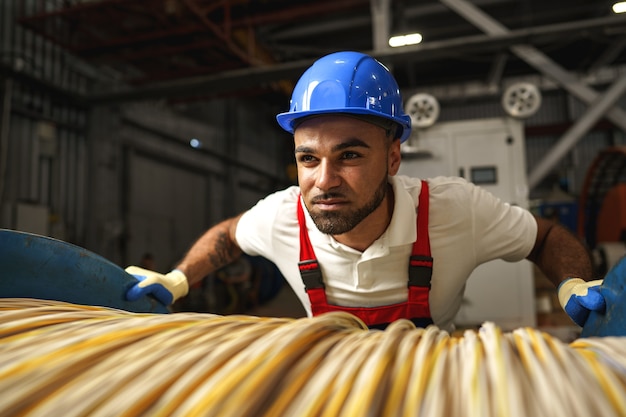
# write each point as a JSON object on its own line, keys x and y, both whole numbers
{"x": 355, "y": 237}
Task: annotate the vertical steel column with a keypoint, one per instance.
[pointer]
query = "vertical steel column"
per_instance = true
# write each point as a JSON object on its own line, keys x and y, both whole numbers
{"x": 381, "y": 22}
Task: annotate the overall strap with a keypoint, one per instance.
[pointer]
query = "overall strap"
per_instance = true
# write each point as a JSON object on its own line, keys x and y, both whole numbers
{"x": 309, "y": 268}
{"x": 421, "y": 261}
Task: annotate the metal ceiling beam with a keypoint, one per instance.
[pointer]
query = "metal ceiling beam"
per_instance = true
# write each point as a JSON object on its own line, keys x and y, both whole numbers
{"x": 222, "y": 32}
{"x": 579, "y": 129}
{"x": 38, "y": 83}
{"x": 609, "y": 54}
{"x": 423, "y": 11}
{"x": 535, "y": 58}
{"x": 253, "y": 77}
{"x": 464, "y": 91}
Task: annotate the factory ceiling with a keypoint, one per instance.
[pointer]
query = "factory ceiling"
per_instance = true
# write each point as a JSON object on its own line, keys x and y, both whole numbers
{"x": 193, "y": 49}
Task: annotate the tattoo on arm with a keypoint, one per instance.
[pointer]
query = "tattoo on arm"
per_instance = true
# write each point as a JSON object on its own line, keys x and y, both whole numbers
{"x": 224, "y": 251}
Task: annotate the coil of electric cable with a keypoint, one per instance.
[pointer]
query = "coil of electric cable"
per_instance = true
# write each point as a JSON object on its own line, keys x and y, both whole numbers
{"x": 71, "y": 360}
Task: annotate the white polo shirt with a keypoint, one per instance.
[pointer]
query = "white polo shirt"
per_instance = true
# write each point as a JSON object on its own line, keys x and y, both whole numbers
{"x": 467, "y": 226}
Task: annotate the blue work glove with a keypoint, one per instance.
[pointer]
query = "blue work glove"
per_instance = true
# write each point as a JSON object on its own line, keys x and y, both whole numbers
{"x": 578, "y": 298}
{"x": 165, "y": 288}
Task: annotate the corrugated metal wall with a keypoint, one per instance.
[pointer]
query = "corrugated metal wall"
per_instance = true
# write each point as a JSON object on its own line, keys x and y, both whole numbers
{"x": 66, "y": 166}
{"x": 44, "y": 147}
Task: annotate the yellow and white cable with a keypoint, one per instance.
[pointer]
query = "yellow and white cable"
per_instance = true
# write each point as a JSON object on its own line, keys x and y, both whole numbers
{"x": 64, "y": 359}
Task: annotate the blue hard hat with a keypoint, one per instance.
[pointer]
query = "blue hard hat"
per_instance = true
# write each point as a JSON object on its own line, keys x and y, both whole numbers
{"x": 347, "y": 82}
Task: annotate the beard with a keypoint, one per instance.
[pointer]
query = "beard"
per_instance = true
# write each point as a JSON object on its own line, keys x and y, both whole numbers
{"x": 336, "y": 223}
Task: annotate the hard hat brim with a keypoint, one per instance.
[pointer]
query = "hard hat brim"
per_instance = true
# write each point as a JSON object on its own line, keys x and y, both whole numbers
{"x": 288, "y": 120}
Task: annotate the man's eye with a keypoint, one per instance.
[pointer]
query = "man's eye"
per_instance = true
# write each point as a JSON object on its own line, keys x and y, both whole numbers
{"x": 306, "y": 158}
{"x": 350, "y": 155}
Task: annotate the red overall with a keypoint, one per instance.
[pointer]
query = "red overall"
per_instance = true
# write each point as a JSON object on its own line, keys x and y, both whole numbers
{"x": 416, "y": 308}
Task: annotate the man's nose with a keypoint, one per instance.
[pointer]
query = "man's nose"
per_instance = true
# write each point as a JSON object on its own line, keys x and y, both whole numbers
{"x": 327, "y": 176}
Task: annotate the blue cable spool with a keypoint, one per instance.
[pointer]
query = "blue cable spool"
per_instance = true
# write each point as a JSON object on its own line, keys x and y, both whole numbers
{"x": 611, "y": 322}
{"x": 34, "y": 266}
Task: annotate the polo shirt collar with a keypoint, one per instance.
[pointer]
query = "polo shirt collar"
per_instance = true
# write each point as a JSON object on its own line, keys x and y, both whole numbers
{"x": 398, "y": 232}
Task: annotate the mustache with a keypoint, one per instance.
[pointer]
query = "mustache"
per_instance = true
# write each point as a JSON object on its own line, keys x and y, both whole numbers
{"x": 326, "y": 196}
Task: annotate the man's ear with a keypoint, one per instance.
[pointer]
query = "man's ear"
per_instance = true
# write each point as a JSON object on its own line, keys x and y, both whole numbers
{"x": 394, "y": 157}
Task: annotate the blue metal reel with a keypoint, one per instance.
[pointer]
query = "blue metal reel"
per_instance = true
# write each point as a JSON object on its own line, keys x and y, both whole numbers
{"x": 613, "y": 321}
{"x": 33, "y": 266}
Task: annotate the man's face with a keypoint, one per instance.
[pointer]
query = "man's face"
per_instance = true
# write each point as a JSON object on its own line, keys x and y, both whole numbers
{"x": 343, "y": 165}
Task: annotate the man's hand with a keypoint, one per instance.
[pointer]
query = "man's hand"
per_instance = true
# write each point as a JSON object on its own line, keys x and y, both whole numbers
{"x": 578, "y": 298}
{"x": 165, "y": 288}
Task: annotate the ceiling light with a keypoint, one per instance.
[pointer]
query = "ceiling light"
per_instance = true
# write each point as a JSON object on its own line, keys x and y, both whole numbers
{"x": 403, "y": 40}
{"x": 619, "y": 7}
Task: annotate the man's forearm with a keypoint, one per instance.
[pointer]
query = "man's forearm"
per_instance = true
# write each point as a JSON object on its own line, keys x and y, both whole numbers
{"x": 214, "y": 249}
{"x": 560, "y": 254}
